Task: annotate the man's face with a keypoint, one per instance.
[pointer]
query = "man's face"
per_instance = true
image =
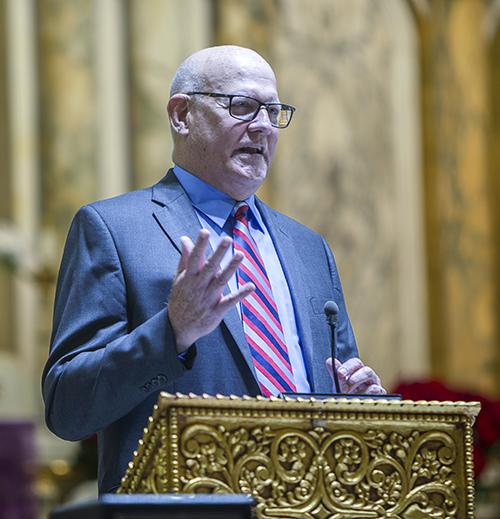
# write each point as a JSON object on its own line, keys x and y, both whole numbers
{"x": 231, "y": 155}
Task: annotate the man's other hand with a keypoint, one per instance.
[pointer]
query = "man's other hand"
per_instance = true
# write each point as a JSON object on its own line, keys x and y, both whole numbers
{"x": 356, "y": 378}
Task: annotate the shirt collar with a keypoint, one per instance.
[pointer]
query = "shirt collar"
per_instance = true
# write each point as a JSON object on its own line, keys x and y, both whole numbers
{"x": 209, "y": 200}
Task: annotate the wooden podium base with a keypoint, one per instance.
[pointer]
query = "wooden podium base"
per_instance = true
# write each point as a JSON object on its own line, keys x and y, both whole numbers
{"x": 313, "y": 459}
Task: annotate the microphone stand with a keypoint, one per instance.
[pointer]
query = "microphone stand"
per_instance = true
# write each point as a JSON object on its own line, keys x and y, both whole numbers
{"x": 331, "y": 311}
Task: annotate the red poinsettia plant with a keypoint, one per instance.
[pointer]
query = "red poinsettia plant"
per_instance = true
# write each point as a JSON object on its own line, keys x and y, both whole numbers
{"x": 486, "y": 427}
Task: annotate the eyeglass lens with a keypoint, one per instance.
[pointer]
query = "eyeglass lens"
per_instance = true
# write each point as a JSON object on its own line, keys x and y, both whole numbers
{"x": 246, "y": 108}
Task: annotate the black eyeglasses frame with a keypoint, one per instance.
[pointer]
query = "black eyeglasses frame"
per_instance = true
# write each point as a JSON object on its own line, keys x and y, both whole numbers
{"x": 283, "y": 107}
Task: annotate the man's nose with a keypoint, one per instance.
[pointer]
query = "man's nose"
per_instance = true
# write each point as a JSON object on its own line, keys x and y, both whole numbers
{"x": 262, "y": 119}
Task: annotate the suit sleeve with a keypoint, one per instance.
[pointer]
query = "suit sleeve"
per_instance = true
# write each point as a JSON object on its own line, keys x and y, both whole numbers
{"x": 99, "y": 369}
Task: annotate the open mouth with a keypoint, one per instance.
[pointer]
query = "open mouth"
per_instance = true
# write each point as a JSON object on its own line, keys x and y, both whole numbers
{"x": 252, "y": 150}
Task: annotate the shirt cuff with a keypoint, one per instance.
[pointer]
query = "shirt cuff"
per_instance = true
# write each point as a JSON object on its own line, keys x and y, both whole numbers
{"x": 187, "y": 358}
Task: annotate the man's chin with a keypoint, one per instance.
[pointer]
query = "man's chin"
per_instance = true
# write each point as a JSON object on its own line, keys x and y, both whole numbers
{"x": 252, "y": 176}
{"x": 246, "y": 182}
{"x": 256, "y": 168}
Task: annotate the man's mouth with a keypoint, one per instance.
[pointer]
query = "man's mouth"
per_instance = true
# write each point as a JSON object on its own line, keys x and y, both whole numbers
{"x": 257, "y": 150}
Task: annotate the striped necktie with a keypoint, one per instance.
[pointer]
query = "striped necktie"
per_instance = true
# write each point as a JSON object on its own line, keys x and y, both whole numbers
{"x": 260, "y": 315}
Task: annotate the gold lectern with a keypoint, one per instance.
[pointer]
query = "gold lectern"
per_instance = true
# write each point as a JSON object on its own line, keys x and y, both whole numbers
{"x": 336, "y": 458}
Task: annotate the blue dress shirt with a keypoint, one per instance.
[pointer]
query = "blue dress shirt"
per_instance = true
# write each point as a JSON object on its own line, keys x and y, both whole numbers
{"x": 215, "y": 212}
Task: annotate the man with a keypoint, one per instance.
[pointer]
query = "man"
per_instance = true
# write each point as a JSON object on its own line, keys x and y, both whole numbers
{"x": 143, "y": 306}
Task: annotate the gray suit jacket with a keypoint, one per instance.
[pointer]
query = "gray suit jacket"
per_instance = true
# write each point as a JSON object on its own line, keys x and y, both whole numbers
{"x": 113, "y": 348}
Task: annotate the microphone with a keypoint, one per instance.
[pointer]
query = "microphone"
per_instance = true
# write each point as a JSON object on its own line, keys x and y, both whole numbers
{"x": 331, "y": 311}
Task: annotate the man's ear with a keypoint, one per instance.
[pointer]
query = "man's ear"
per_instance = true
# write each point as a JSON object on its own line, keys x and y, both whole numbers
{"x": 178, "y": 109}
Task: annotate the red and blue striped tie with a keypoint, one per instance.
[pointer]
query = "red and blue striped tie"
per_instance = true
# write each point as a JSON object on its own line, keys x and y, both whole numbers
{"x": 260, "y": 315}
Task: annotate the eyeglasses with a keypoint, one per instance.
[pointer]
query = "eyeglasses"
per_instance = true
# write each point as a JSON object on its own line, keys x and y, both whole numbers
{"x": 246, "y": 108}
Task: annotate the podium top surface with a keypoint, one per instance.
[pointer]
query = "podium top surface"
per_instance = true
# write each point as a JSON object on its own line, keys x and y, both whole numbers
{"x": 347, "y": 403}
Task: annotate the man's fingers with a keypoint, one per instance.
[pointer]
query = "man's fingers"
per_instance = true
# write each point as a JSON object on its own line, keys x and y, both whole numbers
{"x": 224, "y": 275}
{"x": 196, "y": 258}
{"x": 349, "y": 367}
{"x": 355, "y": 377}
{"x": 233, "y": 299}
{"x": 364, "y": 379}
{"x": 206, "y": 270}
{"x": 375, "y": 389}
{"x": 187, "y": 247}
{"x": 212, "y": 264}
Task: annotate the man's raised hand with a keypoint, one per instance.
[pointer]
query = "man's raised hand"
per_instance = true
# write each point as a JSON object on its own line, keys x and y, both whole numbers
{"x": 197, "y": 305}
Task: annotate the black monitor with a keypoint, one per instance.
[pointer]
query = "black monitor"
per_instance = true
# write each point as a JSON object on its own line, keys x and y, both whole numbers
{"x": 160, "y": 506}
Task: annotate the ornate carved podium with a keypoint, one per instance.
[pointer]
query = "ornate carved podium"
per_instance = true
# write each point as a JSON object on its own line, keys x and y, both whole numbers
{"x": 313, "y": 459}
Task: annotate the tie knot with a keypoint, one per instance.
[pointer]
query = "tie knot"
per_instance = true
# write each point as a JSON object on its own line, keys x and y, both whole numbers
{"x": 241, "y": 210}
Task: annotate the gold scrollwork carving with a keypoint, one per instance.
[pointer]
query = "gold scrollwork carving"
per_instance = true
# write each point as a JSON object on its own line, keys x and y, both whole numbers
{"x": 317, "y": 473}
{"x": 311, "y": 459}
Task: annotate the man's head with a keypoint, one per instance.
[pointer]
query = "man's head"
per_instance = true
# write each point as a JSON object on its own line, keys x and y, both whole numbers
{"x": 232, "y": 155}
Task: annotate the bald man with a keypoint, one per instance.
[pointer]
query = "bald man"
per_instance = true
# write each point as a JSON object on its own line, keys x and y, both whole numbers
{"x": 153, "y": 294}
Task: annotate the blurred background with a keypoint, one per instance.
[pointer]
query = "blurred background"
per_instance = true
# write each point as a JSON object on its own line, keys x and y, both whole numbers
{"x": 393, "y": 156}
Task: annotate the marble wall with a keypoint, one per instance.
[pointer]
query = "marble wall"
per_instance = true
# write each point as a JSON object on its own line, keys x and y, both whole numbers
{"x": 336, "y": 170}
{"x": 461, "y": 238}
{"x": 352, "y": 165}
{"x": 5, "y": 201}
{"x": 6, "y": 285}
{"x": 162, "y": 34}
{"x": 67, "y": 109}
{"x": 493, "y": 79}
{"x": 349, "y": 164}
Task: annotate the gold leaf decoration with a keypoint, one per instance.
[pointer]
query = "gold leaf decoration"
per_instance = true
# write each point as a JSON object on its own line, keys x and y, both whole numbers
{"x": 317, "y": 460}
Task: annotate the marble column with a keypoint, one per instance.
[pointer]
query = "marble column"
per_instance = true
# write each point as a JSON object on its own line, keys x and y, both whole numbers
{"x": 68, "y": 145}
{"x": 6, "y": 286}
{"x": 5, "y": 187}
{"x": 460, "y": 239}
{"x": 67, "y": 110}
{"x": 494, "y": 152}
{"x": 162, "y": 34}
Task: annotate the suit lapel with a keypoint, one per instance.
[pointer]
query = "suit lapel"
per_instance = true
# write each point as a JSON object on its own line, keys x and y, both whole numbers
{"x": 175, "y": 214}
{"x": 295, "y": 276}
{"x": 174, "y": 211}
